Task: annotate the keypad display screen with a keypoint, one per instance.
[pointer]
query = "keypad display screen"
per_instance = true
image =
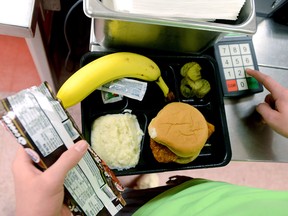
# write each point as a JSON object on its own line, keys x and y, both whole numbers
{"x": 233, "y": 56}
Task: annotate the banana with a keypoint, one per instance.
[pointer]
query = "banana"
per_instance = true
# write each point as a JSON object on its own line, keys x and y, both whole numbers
{"x": 105, "y": 69}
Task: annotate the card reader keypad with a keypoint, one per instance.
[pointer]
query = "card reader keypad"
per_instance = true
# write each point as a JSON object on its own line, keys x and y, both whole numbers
{"x": 235, "y": 58}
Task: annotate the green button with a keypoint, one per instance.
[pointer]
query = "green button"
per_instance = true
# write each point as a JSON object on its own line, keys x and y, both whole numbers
{"x": 252, "y": 83}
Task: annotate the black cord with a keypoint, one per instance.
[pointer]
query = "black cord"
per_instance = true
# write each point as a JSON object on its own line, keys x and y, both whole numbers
{"x": 65, "y": 31}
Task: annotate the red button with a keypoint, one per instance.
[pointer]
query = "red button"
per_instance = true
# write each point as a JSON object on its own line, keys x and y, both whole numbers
{"x": 231, "y": 85}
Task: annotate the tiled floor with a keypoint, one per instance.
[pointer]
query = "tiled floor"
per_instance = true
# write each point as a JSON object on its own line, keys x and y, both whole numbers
{"x": 17, "y": 71}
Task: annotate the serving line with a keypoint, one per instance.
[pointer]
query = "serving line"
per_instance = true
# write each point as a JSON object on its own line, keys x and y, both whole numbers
{"x": 250, "y": 139}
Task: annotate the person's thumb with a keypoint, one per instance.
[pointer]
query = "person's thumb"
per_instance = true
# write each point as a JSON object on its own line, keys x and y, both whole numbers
{"x": 269, "y": 115}
{"x": 68, "y": 160}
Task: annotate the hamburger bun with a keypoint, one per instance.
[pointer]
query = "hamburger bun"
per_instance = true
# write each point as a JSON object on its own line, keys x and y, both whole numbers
{"x": 178, "y": 133}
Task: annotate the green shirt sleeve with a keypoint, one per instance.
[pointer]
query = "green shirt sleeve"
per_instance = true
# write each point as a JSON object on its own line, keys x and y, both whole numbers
{"x": 203, "y": 197}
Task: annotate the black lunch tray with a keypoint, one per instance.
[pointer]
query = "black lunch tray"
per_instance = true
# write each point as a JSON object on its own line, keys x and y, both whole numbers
{"x": 217, "y": 151}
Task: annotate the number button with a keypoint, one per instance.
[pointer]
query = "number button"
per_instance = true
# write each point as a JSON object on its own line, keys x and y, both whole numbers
{"x": 251, "y": 67}
{"x": 247, "y": 60}
{"x": 226, "y": 62}
{"x": 244, "y": 48}
{"x": 242, "y": 84}
{"x": 229, "y": 73}
{"x": 234, "y": 49}
{"x": 237, "y": 61}
{"x": 239, "y": 72}
{"x": 224, "y": 50}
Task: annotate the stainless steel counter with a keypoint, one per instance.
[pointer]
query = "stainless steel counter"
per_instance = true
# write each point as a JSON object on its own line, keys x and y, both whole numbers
{"x": 251, "y": 140}
{"x": 271, "y": 44}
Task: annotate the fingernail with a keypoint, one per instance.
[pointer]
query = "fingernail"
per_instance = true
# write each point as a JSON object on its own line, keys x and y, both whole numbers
{"x": 81, "y": 146}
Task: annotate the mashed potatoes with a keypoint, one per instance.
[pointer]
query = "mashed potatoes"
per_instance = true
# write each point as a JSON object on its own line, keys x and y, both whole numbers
{"x": 116, "y": 138}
